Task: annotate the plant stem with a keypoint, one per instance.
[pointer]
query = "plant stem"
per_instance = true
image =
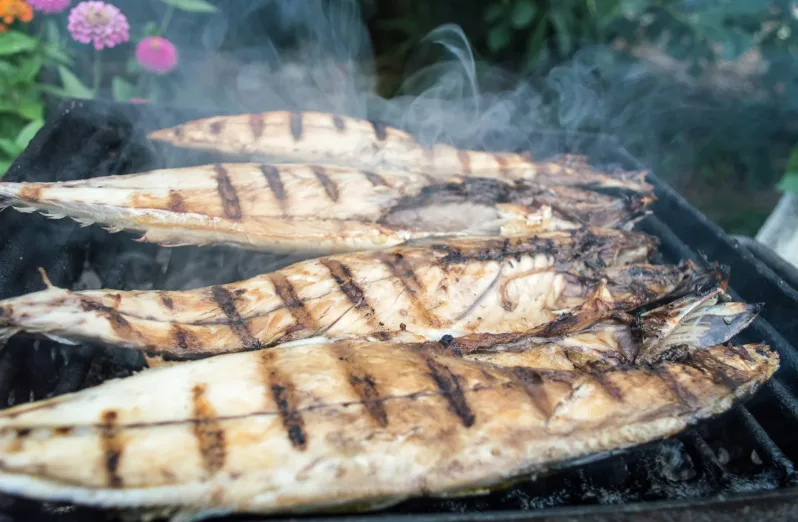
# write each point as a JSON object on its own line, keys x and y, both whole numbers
{"x": 167, "y": 17}
{"x": 95, "y": 84}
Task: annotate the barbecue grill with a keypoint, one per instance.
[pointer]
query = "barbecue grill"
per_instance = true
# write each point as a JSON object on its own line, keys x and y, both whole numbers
{"x": 739, "y": 465}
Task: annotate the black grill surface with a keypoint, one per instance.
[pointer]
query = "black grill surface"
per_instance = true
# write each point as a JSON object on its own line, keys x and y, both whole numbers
{"x": 739, "y": 466}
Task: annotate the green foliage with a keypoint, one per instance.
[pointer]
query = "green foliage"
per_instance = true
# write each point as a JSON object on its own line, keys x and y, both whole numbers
{"x": 21, "y": 103}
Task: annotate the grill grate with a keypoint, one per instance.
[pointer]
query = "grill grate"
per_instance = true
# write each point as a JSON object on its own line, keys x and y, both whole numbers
{"x": 748, "y": 451}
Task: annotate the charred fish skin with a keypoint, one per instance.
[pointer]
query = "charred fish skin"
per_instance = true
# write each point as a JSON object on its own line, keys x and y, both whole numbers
{"x": 318, "y": 426}
{"x": 410, "y": 293}
{"x": 339, "y": 140}
{"x": 315, "y": 208}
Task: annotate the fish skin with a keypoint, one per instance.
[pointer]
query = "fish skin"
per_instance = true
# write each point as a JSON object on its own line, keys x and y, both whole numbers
{"x": 356, "y": 144}
{"x": 316, "y": 209}
{"x": 324, "y": 426}
{"x": 418, "y": 292}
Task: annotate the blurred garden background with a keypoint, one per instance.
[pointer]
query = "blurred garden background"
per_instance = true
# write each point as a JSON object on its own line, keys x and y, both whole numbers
{"x": 703, "y": 92}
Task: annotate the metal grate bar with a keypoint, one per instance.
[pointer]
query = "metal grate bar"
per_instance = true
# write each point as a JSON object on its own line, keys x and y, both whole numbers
{"x": 771, "y": 451}
{"x": 786, "y": 399}
{"x": 702, "y": 454}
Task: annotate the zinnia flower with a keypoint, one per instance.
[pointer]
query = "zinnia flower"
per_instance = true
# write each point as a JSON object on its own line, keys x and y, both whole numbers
{"x": 100, "y": 23}
{"x": 156, "y": 54}
{"x": 11, "y": 10}
{"x": 50, "y": 6}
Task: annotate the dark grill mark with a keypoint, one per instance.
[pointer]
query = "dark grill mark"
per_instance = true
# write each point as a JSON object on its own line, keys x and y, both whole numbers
{"x": 216, "y": 127}
{"x": 185, "y": 340}
{"x": 63, "y": 431}
{"x": 449, "y": 385}
{"x": 339, "y": 123}
{"x": 272, "y": 175}
{"x": 682, "y": 394}
{"x": 721, "y": 373}
{"x": 208, "y": 431}
{"x": 296, "y": 125}
{"x": 230, "y": 203}
{"x": 178, "y": 131}
{"x": 375, "y": 179}
{"x": 343, "y": 278}
{"x": 286, "y": 292}
{"x": 256, "y": 125}
{"x": 176, "y": 202}
{"x": 465, "y": 161}
{"x": 403, "y": 270}
{"x": 380, "y": 130}
{"x": 167, "y": 302}
{"x": 532, "y": 384}
{"x": 608, "y": 386}
{"x": 226, "y": 303}
{"x": 112, "y": 447}
{"x": 284, "y": 395}
{"x": 363, "y": 384}
{"x": 330, "y": 187}
{"x": 118, "y": 322}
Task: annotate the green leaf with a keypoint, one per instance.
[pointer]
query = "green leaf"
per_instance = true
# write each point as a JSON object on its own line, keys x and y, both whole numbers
{"x": 4, "y": 165}
{"x": 150, "y": 29}
{"x": 197, "y": 6}
{"x": 27, "y": 133}
{"x": 10, "y": 147}
{"x": 535, "y": 42}
{"x": 789, "y": 183}
{"x": 51, "y": 31}
{"x": 13, "y": 42}
{"x": 634, "y": 8}
{"x": 494, "y": 12}
{"x": 523, "y": 13}
{"x": 30, "y": 69}
{"x": 8, "y": 70}
{"x": 122, "y": 90}
{"x": 498, "y": 38}
{"x": 56, "y": 54}
{"x": 30, "y": 106}
{"x": 72, "y": 84}
{"x": 562, "y": 32}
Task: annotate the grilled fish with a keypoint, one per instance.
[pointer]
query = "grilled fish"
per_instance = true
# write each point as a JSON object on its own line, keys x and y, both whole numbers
{"x": 316, "y": 209}
{"x": 416, "y": 292}
{"x": 331, "y": 425}
{"x": 701, "y": 319}
{"x": 338, "y": 140}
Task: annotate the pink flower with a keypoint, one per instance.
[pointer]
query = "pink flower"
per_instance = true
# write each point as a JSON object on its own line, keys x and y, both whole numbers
{"x": 49, "y": 6}
{"x": 156, "y": 54}
{"x": 139, "y": 100}
{"x": 98, "y": 22}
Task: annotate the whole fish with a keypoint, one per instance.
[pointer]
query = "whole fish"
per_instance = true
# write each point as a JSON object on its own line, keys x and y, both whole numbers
{"x": 419, "y": 292}
{"x": 332, "y": 139}
{"x": 343, "y": 425}
{"x": 316, "y": 209}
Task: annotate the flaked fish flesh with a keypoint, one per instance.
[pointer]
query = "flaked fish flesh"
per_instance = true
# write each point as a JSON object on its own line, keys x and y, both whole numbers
{"x": 332, "y": 425}
{"x": 419, "y": 292}
{"x": 331, "y": 139}
{"x": 316, "y": 209}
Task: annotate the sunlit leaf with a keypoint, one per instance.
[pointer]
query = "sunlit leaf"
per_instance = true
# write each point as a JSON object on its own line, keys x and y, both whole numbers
{"x": 122, "y": 90}
{"x": 72, "y": 84}
{"x": 197, "y": 6}
{"x": 498, "y": 37}
{"x": 523, "y": 13}
{"x": 8, "y": 69}
{"x": 27, "y": 133}
{"x": 13, "y": 42}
